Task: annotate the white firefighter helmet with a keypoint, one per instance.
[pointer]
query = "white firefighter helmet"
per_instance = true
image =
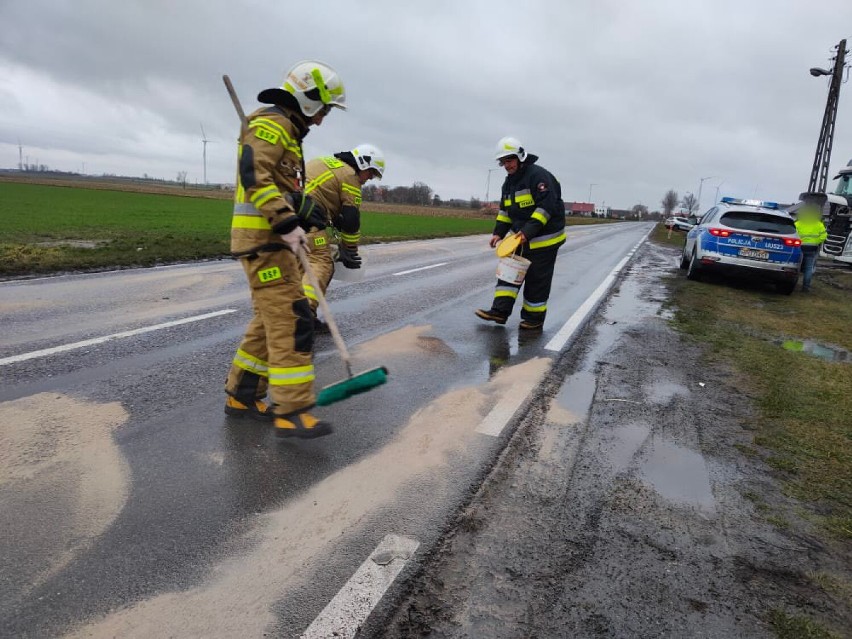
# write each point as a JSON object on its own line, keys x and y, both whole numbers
{"x": 510, "y": 146}
{"x": 315, "y": 85}
{"x": 369, "y": 156}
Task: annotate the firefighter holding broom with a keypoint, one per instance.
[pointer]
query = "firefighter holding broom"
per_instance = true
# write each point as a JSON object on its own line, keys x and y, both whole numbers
{"x": 532, "y": 218}
{"x": 267, "y": 232}
{"x": 334, "y": 183}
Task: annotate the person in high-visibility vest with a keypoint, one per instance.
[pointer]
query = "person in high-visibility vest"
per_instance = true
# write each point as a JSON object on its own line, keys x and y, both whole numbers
{"x": 268, "y": 229}
{"x": 812, "y": 232}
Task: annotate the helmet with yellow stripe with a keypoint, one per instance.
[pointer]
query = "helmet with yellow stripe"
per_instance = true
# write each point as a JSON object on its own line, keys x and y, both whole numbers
{"x": 369, "y": 156}
{"x": 315, "y": 86}
{"x": 508, "y": 147}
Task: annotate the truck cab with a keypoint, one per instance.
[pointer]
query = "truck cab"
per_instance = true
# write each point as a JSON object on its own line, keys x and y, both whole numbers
{"x": 838, "y": 244}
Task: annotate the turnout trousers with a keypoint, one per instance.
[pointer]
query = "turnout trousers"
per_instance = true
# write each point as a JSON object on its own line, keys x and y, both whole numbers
{"x": 276, "y": 353}
{"x": 322, "y": 262}
{"x": 536, "y": 287}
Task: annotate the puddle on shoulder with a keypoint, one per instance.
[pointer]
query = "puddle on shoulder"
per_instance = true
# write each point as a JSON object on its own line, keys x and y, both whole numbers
{"x": 679, "y": 475}
{"x": 809, "y": 347}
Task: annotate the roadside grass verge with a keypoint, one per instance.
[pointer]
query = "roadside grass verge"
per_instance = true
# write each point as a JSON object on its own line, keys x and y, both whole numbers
{"x": 49, "y": 228}
{"x": 804, "y": 427}
{"x": 675, "y": 238}
{"x": 52, "y": 228}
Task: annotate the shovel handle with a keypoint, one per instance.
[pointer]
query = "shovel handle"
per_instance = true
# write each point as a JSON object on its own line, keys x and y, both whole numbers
{"x": 329, "y": 318}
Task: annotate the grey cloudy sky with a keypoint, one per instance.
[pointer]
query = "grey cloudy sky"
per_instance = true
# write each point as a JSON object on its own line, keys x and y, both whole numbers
{"x": 633, "y": 97}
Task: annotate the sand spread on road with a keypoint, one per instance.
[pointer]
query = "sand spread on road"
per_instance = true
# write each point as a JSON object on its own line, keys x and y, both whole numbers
{"x": 59, "y": 450}
{"x": 238, "y": 599}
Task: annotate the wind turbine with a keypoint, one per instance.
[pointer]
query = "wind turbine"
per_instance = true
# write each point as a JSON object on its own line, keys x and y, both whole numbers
{"x": 204, "y": 141}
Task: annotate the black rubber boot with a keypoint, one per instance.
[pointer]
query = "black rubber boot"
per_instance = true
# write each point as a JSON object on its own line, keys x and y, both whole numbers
{"x": 301, "y": 424}
{"x": 256, "y": 409}
{"x": 491, "y": 316}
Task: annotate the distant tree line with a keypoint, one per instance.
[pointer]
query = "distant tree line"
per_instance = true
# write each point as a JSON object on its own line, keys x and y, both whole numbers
{"x": 671, "y": 200}
{"x": 418, "y": 194}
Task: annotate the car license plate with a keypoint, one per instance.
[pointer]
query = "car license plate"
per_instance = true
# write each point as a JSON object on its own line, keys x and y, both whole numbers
{"x": 754, "y": 254}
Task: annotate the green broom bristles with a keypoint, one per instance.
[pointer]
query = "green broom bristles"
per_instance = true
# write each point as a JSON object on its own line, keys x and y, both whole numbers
{"x": 360, "y": 383}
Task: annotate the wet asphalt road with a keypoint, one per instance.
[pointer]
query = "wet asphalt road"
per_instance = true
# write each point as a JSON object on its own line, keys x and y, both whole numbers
{"x": 202, "y": 524}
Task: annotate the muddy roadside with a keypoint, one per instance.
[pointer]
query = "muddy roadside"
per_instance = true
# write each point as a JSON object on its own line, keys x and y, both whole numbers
{"x": 625, "y": 506}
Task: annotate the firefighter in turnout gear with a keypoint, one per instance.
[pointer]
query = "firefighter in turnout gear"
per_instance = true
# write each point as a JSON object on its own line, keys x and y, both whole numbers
{"x": 530, "y": 205}
{"x": 268, "y": 227}
{"x": 334, "y": 183}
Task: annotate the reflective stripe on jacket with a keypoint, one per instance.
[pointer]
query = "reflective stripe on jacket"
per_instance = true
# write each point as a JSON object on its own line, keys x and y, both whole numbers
{"x": 269, "y": 162}
{"x": 531, "y": 202}
{"x": 335, "y": 186}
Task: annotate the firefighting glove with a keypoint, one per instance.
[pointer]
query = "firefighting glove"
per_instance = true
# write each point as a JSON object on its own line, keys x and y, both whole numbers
{"x": 310, "y": 214}
{"x": 348, "y": 256}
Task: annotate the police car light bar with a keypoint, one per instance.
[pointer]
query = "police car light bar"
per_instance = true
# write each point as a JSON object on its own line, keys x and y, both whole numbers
{"x": 763, "y": 203}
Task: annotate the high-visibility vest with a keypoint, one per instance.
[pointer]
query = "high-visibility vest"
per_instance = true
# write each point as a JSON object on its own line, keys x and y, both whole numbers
{"x": 811, "y": 231}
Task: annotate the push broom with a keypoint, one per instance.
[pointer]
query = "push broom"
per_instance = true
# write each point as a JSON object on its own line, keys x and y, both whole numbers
{"x": 353, "y": 384}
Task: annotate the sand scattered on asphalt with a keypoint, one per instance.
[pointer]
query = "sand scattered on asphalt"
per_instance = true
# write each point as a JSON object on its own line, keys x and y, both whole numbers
{"x": 60, "y": 450}
{"x": 239, "y": 598}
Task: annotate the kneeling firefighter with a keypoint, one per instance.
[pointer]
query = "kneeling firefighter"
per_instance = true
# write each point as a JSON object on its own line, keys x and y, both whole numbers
{"x": 267, "y": 229}
{"x": 334, "y": 183}
{"x": 530, "y": 205}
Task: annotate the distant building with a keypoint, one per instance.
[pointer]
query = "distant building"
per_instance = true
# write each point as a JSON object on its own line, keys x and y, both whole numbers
{"x": 620, "y": 214}
{"x": 585, "y": 209}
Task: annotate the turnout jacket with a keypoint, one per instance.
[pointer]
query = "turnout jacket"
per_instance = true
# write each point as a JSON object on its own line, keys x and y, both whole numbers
{"x": 334, "y": 185}
{"x": 268, "y": 170}
{"x": 531, "y": 202}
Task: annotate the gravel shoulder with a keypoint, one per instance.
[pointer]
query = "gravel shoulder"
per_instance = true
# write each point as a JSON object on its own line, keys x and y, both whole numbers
{"x": 626, "y": 506}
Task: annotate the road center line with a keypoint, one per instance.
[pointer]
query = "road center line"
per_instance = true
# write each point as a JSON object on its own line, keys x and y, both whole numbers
{"x": 422, "y": 268}
{"x": 350, "y": 607}
{"x": 106, "y": 338}
{"x": 574, "y": 322}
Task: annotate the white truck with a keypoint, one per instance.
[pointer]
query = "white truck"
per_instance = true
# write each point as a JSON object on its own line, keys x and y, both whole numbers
{"x": 838, "y": 245}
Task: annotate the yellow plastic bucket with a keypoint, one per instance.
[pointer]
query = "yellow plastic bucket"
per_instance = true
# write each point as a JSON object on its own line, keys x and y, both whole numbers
{"x": 512, "y": 269}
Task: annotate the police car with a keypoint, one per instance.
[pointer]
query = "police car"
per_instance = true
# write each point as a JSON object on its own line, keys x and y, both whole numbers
{"x": 745, "y": 237}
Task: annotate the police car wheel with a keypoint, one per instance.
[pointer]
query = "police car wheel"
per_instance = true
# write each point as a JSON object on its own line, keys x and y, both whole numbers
{"x": 684, "y": 260}
{"x": 786, "y": 288}
{"x": 693, "y": 272}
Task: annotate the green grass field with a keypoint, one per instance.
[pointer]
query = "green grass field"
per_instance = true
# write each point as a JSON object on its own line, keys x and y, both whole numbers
{"x": 804, "y": 429}
{"x": 52, "y": 228}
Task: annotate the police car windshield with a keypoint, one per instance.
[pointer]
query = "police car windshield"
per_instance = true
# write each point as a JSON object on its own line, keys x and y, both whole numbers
{"x": 758, "y": 222}
{"x": 844, "y": 186}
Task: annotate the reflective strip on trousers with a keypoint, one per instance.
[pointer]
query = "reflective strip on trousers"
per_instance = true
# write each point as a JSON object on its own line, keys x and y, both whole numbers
{"x": 507, "y": 291}
{"x": 291, "y": 376}
{"x": 251, "y": 364}
{"x": 535, "y": 307}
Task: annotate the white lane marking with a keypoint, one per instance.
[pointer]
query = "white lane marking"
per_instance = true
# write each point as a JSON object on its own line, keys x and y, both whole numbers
{"x": 568, "y": 329}
{"x": 422, "y": 268}
{"x": 100, "y": 340}
{"x": 505, "y": 409}
{"x": 350, "y": 607}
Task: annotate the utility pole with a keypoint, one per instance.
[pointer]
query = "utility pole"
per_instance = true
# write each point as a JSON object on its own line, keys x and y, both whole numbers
{"x": 590, "y": 192}
{"x": 20, "y": 156}
{"x": 716, "y": 199}
{"x": 822, "y": 157}
{"x": 487, "y": 185}
{"x": 204, "y": 140}
{"x": 700, "y": 186}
